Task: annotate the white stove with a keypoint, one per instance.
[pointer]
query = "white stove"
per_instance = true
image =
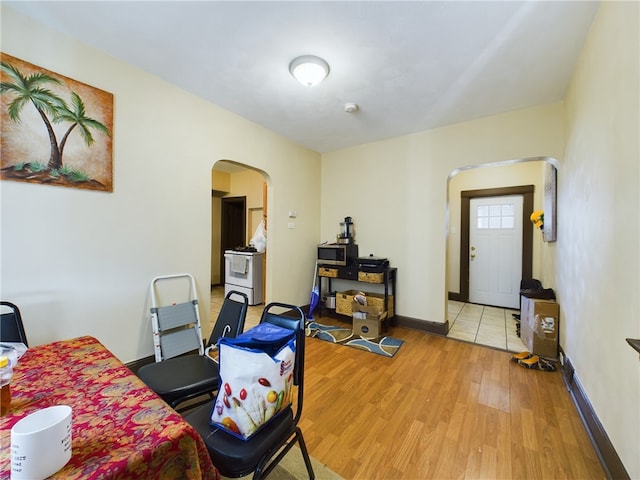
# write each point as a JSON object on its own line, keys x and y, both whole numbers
{"x": 243, "y": 273}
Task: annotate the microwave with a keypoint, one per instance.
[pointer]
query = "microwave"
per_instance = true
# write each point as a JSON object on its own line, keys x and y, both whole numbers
{"x": 337, "y": 254}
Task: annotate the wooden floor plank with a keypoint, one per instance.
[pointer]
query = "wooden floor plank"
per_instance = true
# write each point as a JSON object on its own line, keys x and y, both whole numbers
{"x": 440, "y": 408}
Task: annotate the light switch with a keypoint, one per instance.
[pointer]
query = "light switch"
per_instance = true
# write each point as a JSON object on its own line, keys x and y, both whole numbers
{"x": 291, "y": 225}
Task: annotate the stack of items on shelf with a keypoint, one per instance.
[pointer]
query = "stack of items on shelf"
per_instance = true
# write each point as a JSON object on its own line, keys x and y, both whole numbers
{"x": 538, "y": 326}
{"x": 344, "y": 302}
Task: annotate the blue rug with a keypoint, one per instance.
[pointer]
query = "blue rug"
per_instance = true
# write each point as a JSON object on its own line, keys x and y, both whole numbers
{"x": 386, "y": 346}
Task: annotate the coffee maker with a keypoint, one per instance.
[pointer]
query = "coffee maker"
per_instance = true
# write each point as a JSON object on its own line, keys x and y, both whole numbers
{"x": 346, "y": 235}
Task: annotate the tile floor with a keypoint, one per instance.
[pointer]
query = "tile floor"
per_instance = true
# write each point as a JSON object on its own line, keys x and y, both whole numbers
{"x": 490, "y": 326}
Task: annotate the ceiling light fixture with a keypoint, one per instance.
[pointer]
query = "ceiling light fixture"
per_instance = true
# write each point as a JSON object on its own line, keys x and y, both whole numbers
{"x": 309, "y": 70}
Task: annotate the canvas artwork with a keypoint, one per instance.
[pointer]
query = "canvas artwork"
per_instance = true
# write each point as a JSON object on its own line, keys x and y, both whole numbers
{"x": 55, "y": 130}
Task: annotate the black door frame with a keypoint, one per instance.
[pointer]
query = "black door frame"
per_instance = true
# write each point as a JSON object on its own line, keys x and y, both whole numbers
{"x": 527, "y": 232}
{"x": 233, "y": 227}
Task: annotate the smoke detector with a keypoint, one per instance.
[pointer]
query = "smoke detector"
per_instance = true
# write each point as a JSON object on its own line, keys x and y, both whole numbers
{"x": 351, "y": 107}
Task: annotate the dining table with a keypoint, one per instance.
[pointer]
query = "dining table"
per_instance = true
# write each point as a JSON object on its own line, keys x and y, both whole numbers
{"x": 120, "y": 428}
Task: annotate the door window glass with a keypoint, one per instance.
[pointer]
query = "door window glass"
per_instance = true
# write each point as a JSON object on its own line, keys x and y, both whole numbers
{"x": 496, "y": 216}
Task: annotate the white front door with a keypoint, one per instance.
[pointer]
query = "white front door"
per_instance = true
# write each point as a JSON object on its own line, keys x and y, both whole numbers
{"x": 495, "y": 251}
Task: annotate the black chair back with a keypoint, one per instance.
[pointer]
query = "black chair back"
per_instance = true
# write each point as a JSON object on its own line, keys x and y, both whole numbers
{"x": 263, "y": 451}
{"x": 295, "y": 323}
{"x": 227, "y": 324}
{"x": 186, "y": 377}
{"x": 11, "y": 327}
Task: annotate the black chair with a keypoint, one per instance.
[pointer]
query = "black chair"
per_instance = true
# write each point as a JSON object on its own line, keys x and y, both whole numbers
{"x": 11, "y": 327}
{"x": 183, "y": 378}
{"x": 261, "y": 453}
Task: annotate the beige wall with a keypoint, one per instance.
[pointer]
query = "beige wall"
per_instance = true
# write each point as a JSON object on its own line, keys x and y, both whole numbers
{"x": 396, "y": 192}
{"x": 249, "y": 183}
{"x": 598, "y": 241}
{"x": 79, "y": 262}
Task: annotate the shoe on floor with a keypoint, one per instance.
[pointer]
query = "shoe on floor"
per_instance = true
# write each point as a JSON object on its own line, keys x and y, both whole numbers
{"x": 516, "y": 357}
{"x": 536, "y": 363}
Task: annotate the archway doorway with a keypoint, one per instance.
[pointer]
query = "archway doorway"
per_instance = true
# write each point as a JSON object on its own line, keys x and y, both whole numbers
{"x": 526, "y": 178}
{"x": 239, "y": 207}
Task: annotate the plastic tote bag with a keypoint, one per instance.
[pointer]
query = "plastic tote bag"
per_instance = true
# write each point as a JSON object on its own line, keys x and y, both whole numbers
{"x": 256, "y": 379}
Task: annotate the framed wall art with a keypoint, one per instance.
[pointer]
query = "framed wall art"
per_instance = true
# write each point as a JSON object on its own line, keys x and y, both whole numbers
{"x": 54, "y": 130}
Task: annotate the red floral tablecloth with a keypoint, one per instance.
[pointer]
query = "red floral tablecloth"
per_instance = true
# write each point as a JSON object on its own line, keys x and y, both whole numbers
{"x": 121, "y": 429}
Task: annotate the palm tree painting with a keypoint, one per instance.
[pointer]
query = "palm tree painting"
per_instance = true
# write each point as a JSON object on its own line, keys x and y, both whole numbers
{"x": 54, "y": 130}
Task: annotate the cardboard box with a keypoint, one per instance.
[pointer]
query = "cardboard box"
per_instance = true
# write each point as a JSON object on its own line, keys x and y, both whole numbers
{"x": 539, "y": 326}
{"x": 367, "y": 328}
{"x": 367, "y": 320}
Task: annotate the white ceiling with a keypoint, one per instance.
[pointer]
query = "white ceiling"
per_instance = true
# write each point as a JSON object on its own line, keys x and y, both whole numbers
{"x": 410, "y": 66}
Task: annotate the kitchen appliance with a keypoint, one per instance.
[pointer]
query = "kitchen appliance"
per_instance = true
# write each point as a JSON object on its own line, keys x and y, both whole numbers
{"x": 243, "y": 273}
{"x": 330, "y": 301}
{"x": 346, "y": 231}
{"x": 372, "y": 262}
{"x": 341, "y": 254}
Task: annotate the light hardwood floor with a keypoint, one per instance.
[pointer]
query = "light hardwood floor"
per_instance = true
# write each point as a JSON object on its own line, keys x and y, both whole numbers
{"x": 439, "y": 409}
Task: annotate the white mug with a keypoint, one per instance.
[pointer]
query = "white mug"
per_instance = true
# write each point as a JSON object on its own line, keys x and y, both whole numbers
{"x": 41, "y": 443}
